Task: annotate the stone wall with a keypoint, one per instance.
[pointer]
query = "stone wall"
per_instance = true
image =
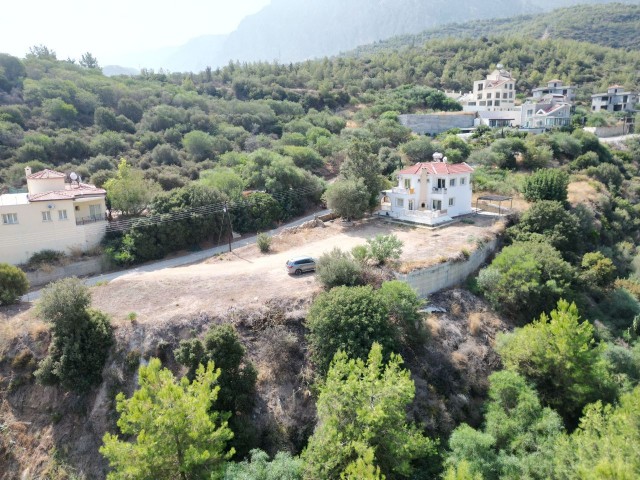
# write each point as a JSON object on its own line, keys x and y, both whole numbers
{"x": 436, "y": 123}
{"x": 604, "y": 132}
{"x": 84, "y": 268}
{"x": 448, "y": 274}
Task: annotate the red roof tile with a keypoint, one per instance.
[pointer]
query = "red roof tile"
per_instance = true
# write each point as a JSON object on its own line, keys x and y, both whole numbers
{"x": 71, "y": 192}
{"x": 437, "y": 168}
{"x": 46, "y": 173}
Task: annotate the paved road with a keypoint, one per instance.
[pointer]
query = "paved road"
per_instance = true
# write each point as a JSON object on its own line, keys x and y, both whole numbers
{"x": 182, "y": 260}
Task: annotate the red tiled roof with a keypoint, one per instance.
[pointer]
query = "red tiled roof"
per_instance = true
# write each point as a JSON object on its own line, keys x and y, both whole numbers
{"x": 70, "y": 192}
{"x": 46, "y": 173}
{"x": 437, "y": 168}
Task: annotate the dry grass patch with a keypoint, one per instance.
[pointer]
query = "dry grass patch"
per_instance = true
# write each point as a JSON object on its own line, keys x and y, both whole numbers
{"x": 475, "y": 323}
{"x": 585, "y": 191}
{"x": 433, "y": 324}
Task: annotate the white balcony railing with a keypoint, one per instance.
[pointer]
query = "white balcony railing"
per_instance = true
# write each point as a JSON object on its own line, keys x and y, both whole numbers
{"x": 403, "y": 191}
{"x": 439, "y": 190}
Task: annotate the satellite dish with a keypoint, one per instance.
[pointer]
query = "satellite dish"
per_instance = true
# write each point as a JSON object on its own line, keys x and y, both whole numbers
{"x": 51, "y": 205}
{"x": 73, "y": 176}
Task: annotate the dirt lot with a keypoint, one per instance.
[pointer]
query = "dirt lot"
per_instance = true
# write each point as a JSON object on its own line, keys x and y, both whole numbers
{"x": 248, "y": 278}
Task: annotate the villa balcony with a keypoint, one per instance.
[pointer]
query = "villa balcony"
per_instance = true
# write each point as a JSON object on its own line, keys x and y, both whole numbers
{"x": 91, "y": 219}
{"x": 403, "y": 191}
{"x": 438, "y": 191}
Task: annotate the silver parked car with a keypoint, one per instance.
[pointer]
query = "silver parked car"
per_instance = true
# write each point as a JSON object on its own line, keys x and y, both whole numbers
{"x": 299, "y": 265}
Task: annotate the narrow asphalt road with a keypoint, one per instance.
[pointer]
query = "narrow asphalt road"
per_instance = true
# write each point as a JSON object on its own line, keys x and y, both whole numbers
{"x": 182, "y": 260}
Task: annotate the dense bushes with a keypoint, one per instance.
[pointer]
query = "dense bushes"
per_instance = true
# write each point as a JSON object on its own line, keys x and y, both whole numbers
{"x": 526, "y": 279}
{"x": 13, "y": 284}
{"x": 81, "y": 337}
{"x": 546, "y": 184}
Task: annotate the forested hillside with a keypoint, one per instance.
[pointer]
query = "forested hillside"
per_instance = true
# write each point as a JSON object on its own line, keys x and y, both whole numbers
{"x": 396, "y": 392}
{"x": 611, "y": 25}
{"x": 286, "y": 32}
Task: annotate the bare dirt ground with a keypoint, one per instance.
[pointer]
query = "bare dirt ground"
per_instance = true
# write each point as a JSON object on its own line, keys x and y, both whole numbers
{"x": 247, "y": 279}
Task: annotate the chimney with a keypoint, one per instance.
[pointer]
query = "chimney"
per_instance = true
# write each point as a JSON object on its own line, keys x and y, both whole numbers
{"x": 27, "y": 171}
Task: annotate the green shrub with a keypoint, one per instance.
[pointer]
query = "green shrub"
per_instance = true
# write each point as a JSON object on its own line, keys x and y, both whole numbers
{"x": 546, "y": 184}
{"x": 81, "y": 337}
{"x": 337, "y": 268}
{"x": 264, "y": 242}
{"x": 383, "y": 248}
{"x": 13, "y": 284}
{"x": 348, "y": 319}
{"x": 237, "y": 378}
{"x": 43, "y": 257}
{"x": 282, "y": 467}
{"x": 526, "y": 279}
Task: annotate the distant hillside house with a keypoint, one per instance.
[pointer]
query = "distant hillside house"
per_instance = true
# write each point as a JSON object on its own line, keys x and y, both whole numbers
{"x": 555, "y": 87}
{"x": 615, "y": 100}
{"x": 54, "y": 214}
{"x": 429, "y": 193}
{"x": 497, "y": 92}
{"x": 547, "y": 112}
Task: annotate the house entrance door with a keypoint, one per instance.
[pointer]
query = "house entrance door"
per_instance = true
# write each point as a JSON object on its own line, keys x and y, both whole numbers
{"x": 410, "y": 204}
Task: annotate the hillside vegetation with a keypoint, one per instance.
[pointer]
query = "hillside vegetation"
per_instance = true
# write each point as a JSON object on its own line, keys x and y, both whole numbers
{"x": 613, "y": 25}
{"x": 532, "y": 371}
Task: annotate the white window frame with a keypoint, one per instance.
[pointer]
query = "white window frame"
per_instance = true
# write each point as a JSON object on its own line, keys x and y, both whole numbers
{"x": 9, "y": 218}
{"x": 452, "y": 182}
{"x": 452, "y": 201}
{"x": 400, "y": 202}
{"x": 93, "y": 209}
{"x": 463, "y": 181}
{"x": 46, "y": 215}
{"x": 407, "y": 183}
{"x": 62, "y": 215}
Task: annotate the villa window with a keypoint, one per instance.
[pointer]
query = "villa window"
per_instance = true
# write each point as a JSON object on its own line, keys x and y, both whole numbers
{"x": 479, "y": 96}
{"x": 94, "y": 210}
{"x": 400, "y": 202}
{"x": 9, "y": 218}
{"x": 62, "y": 214}
{"x": 463, "y": 181}
{"x": 46, "y": 216}
{"x": 407, "y": 183}
{"x": 504, "y": 95}
{"x": 452, "y": 202}
{"x": 452, "y": 182}
{"x": 488, "y": 95}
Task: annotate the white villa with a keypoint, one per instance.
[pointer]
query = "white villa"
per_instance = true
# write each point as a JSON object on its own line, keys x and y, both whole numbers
{"x": 496, "y": 93}
{"x": 54, "y": 214}
{"x": 429, "y": 193}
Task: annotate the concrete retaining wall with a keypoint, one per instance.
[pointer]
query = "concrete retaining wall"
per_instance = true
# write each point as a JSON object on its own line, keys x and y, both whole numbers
{"x": 604, "y": 132}
{"x": 445, "y": 275}
{"x": 92, "y": 266}
{"x": 435, "y": 123}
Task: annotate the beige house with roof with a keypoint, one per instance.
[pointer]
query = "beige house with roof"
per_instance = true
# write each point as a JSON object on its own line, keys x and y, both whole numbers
{"x": 54, "y": 214}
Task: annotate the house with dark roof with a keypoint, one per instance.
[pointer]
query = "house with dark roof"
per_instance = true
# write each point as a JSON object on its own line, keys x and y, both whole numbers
{"x": 429, "y": 193}
{"x": 546, "y": 112}
{"x": 56, "y": 213}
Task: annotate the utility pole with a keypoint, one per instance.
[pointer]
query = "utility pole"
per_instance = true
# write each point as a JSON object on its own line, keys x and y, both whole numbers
{"x": 230, "y": 227}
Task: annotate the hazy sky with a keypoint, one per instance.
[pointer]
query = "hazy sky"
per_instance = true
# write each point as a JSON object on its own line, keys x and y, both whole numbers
{"x": 111, "y": 28}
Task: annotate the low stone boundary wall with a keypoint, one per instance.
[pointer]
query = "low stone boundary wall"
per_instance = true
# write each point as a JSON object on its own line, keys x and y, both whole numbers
{"x": 448, "y": 274}
{"x": 92, "y": 266}
{"x": 604, "y": 132}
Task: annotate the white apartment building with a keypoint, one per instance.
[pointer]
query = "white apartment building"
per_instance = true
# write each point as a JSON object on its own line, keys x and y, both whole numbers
{"x": 615, "y": 100}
